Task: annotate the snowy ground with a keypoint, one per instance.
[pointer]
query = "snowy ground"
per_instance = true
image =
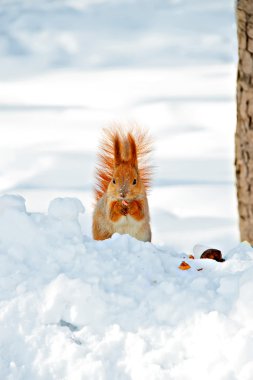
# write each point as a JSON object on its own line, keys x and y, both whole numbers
{"x": 69, "y": 68}
{"x": 51, "y": 125}
{"x": 72, "y": 308}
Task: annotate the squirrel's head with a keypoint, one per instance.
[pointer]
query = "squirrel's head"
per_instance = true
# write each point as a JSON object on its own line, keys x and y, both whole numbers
{"x": 126, "y": 182}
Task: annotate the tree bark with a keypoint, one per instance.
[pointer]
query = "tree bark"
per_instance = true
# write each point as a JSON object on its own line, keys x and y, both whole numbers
{"x": 244, "y": 129}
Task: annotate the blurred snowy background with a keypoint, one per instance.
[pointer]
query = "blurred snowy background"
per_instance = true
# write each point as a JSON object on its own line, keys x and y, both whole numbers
{"x": 68, "y": 68}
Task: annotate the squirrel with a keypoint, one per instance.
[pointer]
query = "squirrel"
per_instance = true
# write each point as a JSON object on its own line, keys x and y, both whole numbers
{"x": 123, "y": 179}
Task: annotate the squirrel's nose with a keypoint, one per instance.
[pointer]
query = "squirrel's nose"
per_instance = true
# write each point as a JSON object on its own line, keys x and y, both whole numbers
{"x": 123, "y": 191}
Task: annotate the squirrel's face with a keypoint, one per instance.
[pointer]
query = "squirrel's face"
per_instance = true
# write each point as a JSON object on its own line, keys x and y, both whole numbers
{"x": 125, "y": 183}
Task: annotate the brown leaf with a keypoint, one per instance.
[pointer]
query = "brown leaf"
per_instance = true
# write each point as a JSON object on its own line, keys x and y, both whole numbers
{"x": 184, "y": 266}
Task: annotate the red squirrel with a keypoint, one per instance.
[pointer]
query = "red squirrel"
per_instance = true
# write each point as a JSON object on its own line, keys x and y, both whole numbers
{"x": 123, "y": 179}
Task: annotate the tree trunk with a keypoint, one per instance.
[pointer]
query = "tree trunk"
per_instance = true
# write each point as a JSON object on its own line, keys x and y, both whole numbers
{"x": 244, "y": 130}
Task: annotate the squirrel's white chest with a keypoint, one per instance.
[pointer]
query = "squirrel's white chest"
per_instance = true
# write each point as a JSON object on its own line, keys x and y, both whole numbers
{"x": 127, "y": 225}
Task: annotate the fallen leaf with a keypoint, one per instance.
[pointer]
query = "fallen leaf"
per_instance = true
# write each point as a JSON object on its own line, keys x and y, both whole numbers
{"x": 184, "y": 266}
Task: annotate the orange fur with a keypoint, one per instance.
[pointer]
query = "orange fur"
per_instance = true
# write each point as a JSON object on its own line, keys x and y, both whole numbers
{"x": 106, "y": 159}
{"x": 123, "y": 178}
{"x": 136, "y": 209}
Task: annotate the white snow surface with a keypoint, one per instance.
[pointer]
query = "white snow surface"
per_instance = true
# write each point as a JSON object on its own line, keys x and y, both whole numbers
{"x": 69, "y": 68}
{"x": 50, "y": 126}
{"x": 119, "y": 309}
{"x": 76, "y": 309}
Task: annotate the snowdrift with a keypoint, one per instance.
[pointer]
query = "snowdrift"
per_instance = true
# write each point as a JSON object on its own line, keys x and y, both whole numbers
{"x": 74, "y": 308}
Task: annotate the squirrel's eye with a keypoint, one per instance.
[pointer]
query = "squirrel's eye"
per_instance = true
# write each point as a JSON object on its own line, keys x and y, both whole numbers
{"x": 134, "y": 182}
{"x": 113, "y": 181}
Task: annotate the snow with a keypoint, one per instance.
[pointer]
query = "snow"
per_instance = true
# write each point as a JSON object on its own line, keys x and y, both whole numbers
{"x": 37, "y": 36}
{"x": 51, "y": 125}
{"x": 65, "y": 209}
{"x": 70, "y": 68}
{"x": 74, "y": 308}
{"x": 120, "y": 309}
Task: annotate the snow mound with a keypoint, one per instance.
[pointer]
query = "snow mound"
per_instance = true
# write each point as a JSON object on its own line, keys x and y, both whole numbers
{"x": 8, "y": 201}
{"x": 65, "y": 208}
{"x": 74, "y": 308}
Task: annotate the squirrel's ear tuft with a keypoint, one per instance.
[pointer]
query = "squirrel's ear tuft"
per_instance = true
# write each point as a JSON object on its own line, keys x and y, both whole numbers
{"x": 117, "y": 155}
{"x": 133, "y": 150}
